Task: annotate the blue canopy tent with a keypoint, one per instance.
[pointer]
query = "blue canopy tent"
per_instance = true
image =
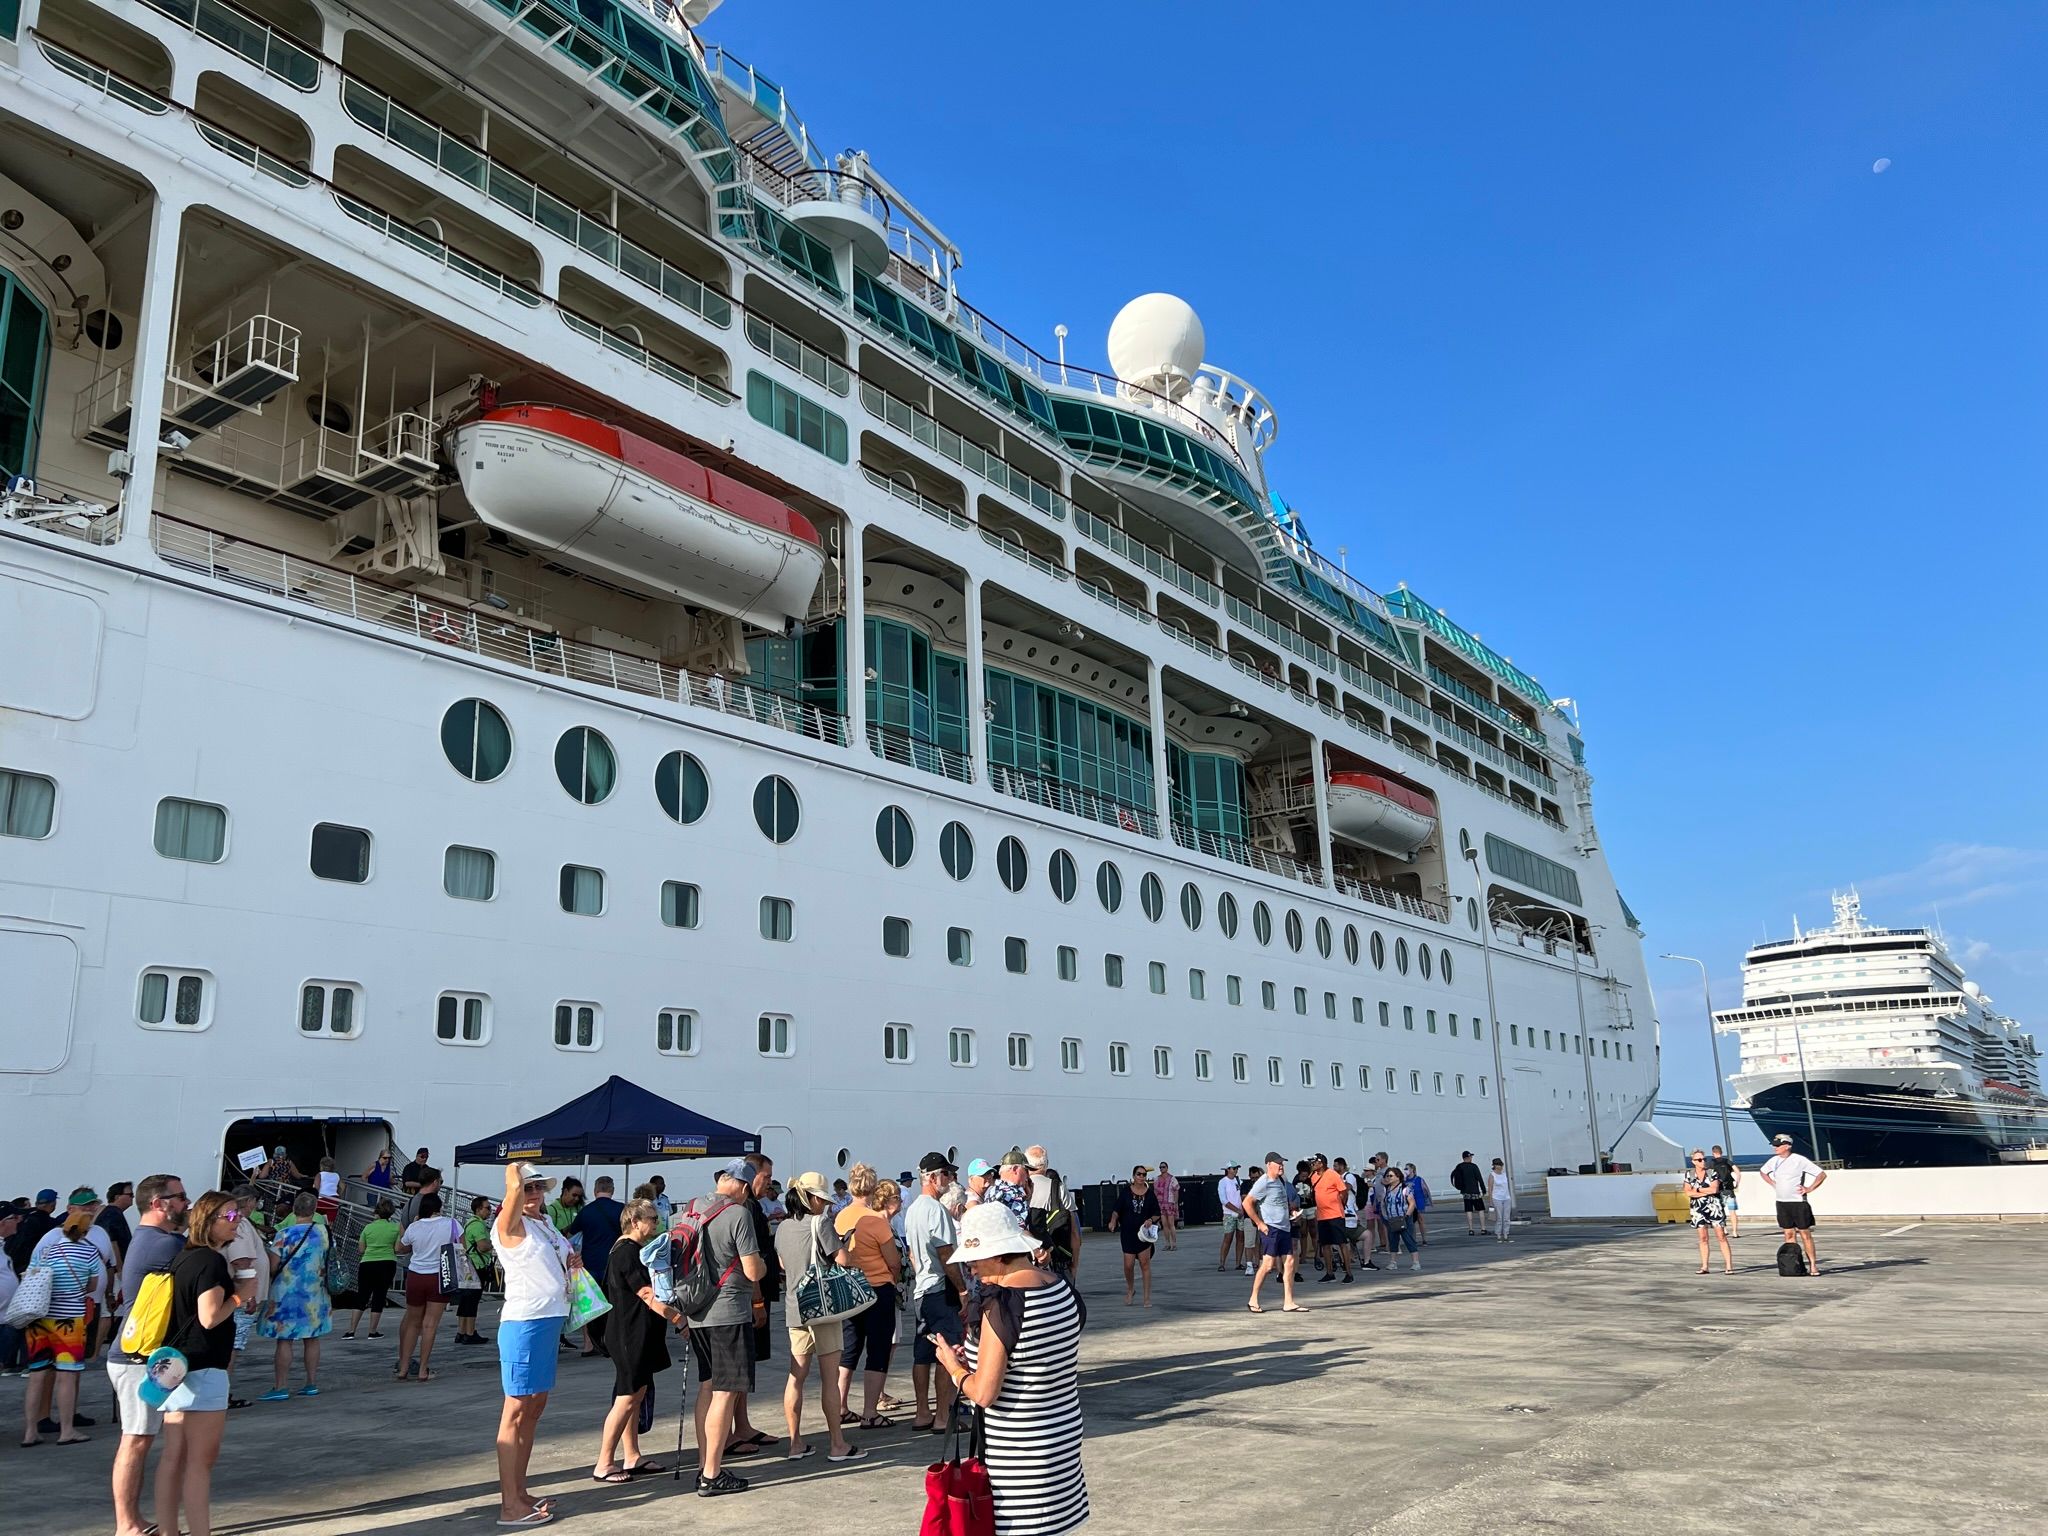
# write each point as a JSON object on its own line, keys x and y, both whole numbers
{"x": 616, "y": 1122}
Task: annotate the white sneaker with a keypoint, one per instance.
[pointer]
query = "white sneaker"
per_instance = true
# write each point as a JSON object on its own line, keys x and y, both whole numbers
{"x": 1248, "y": 1268}
{"x": 1416, "y": 1266}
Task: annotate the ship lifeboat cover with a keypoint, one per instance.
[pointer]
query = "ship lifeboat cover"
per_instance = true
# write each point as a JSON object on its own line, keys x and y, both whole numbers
{"x": 1375, "y": 812}
{"x": 625, "y": 508}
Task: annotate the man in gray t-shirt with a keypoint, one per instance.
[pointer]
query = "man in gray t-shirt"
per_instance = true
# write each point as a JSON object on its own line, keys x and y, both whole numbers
{"x": 1271, "y": 1203}
{"x": 929, "y": 1232}
{"x": 723, "y": 1339}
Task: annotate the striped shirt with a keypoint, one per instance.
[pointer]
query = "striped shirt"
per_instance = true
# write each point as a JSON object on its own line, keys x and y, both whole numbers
{"x": 1034, "y": 1426}
{"x": 75, "y": 1270}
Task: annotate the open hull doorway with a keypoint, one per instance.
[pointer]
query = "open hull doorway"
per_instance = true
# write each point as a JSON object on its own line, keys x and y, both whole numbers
{"x": 353, "y": 1138}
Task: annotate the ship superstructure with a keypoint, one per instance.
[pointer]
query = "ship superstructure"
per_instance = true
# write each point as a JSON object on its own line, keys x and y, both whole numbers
{"x": 533, "y": 570}
{"x": 1869, "y": 1043}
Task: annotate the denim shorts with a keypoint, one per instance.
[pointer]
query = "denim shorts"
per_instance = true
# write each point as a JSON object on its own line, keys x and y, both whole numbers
{"x": 934, "y": 1315}
{"x": 199, "y": 1392}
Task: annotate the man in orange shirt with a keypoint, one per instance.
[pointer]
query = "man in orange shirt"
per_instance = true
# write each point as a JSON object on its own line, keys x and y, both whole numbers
{"x": 1328, "y": 1185}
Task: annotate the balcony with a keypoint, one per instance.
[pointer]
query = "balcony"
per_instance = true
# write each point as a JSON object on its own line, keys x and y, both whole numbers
{"x": 1144, "y": 556}
{"x": 917, "y": 499}
{"x": 438, "y": 251}
{"x": 1484, "y": 706}
{"x": 634, "y": 352}
{"x": 1287, "y": 639}
{"x": 261, "y": 44}
{"x": 1236, "y": 850}
{"x": 1102, "y": 594}
{"x": 107, "y": 83}
{"x": 923, "y": 428}
{"x": 798, "y": 355}
{"x": 1085, "y": 803}
{"x": 1018, "y": 552}
{"x": 897, "y": 746}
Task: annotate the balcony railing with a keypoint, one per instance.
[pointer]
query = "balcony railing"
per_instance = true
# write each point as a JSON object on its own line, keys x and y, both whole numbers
{"x": 1396, "y": 901}
{"x": 634, "y": 352}
{"x": 1237, "y": 851}
{"x": 447, "y": 622}
{"x": 1017, "y": 551}
{"x": 110, "y": 85}
{"x": 527, "y": 200}
{"x": 1144, "y": 556}
{"x": 793, "y": 352}
{"x": 897, "y": 746}
{"x": 1483, "y": 705}
{"x": 1280, "y": 634}
{"x": 1102, "y": 594}
{"x": 252, "y": 155}
{"x": 917, "y": 499}
{"x": 1085, "y": 803}
{"x": 438, "y": 251}
{"x": 238, "y": 32}
{"x": 969, "y": 455}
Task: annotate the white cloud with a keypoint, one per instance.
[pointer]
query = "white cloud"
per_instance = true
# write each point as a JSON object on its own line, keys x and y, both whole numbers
{"x": 1961, "y": 875}
{"x": 1972, "y": 951}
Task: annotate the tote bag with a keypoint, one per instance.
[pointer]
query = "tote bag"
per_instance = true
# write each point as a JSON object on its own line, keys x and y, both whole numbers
{"x": 957, "y": 1498}
{"x": 32, "y": 1299}
{"x": 828, "y": 1291}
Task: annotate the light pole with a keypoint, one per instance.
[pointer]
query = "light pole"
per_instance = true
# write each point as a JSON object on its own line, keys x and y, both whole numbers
{"x": 1585, "y": 1041}
{"x": 1806, "y": 1092}
{"x": 1500, "y": 1076}
{"x": 1714, "y": 1044}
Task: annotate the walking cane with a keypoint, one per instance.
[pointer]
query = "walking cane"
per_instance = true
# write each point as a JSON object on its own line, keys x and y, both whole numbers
{"x": 682, "y": 1407}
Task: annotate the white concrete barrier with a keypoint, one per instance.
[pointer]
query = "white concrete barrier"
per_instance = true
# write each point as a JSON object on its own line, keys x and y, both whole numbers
{"x": 2009, "y": 1192}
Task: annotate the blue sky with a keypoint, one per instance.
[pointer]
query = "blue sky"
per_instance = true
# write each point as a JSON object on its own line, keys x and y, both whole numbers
{"x": 1593, "y": 324}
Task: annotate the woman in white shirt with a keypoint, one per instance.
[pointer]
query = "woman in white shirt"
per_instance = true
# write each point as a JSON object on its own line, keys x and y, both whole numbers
{"x": 420, "y": 1247}
{"x": 330, "y": 1189}
{"x": 1502, "y": 1194}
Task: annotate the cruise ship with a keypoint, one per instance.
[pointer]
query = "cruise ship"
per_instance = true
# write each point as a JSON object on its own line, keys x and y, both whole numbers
{"x": 521, "y": 566}
{"x": 1869, "y": 1044}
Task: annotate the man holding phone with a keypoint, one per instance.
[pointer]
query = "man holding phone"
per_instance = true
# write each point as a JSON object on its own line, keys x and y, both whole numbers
{"x": 929, "y": 1232}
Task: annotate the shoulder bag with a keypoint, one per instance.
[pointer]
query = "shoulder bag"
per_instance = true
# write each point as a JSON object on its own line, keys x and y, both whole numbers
{"x": 829, "y": 1291}
{"x": 958, "y": 1500}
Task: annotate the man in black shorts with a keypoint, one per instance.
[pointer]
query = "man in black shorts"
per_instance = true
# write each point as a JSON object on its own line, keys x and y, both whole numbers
{"x": 1468, "y": 1181}
{"x": 1792, "y": 1178}
{"x": 1326, "y": 1187}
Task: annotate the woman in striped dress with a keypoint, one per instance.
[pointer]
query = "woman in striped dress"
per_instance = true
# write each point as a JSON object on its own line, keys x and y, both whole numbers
{"x": 1021, "y": 1366}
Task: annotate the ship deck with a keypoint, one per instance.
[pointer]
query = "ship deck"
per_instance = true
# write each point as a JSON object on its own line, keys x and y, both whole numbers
{"x": 1560, "y": 1383}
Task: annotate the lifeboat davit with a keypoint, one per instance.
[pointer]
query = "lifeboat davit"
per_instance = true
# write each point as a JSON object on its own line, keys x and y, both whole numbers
{"x": 1374, "y": 812}
{"x": 637, "y": 513}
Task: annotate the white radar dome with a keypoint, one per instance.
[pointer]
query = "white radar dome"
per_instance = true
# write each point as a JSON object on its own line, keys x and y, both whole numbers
{"x": 1156, "y": 341}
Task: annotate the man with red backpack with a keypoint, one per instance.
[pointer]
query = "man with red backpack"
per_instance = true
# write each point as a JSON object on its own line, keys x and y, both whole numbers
{"x": 717, "y": 1263}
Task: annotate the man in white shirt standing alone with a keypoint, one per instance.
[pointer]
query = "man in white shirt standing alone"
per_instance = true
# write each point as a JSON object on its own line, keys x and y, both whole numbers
{"x": 1231, "y": 1198}
{"x": 1792, "y": 1178}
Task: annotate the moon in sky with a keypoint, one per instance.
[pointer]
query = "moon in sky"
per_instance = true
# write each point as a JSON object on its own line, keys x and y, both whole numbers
{"x": 1880, "y": 167}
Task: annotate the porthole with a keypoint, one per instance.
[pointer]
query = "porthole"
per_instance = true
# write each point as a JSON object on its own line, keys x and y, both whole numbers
{"x": 1262, "y": 922}
{"x": 1191, "y": 905}
{"x": 1379, "y": 951}
{"x": 1351, "y": 942}
{"x": 329, "y": 414}
{"x": 1422, "y": 960}
{"x": 1401, "y": 956}
{"x": 476, "y": 739}
{"x": 894, "y": 835}
{"x": 956, "y": 850}
{"x": 681, "y": 787}
{"x": 843, "y": 1157}
{"x": 586, "y": 764}
{"x": 104, "y": 330}
{"x": 1294, "y": 930}
{"x": 1323, "y": 937}
{"x": 1472, "y": 912}
{"x": 1226, "y": 914}
{"x": 1444, "y": 958}
{"x": 1013, "y": 864}
{"x": 1152, "y": 897}
{"x": 1109, "y": 886}
{"x": 1059, "y": 870}
{"x": 1464, "y": 843}
{"x": 775, "y": 808}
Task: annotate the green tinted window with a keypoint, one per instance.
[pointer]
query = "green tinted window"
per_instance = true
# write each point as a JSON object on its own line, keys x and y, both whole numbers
{"x": 24, "y": 352}
{"x": 793, "y": 415}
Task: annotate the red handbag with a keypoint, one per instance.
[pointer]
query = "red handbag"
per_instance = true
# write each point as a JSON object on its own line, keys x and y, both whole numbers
{"x": 958, "y": 1500}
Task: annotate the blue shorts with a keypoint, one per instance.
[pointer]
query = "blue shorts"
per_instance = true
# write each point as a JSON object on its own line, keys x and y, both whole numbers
{"x": 934, "y": 1315}
{"x": 200, "y": 1392}
{"x": 527, "y": 1351}
{"x": 1277, "y": 1242}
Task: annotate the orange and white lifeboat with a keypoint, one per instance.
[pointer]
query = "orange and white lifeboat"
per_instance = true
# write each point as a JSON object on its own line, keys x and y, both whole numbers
{"x": 1375, "y": 812}
{"x": 634, "y": 512}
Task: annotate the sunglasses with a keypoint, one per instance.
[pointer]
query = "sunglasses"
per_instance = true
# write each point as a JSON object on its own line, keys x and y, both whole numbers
{"x": 230, "y": 1216}
{"x": 535, "y": 1187}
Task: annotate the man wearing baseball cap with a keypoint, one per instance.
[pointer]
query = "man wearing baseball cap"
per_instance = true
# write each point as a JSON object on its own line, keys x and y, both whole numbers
{"x": 535, "y": 1261}
{"x": 1013, "y": 1184}
{"x": 722, "y": 1340}
{"x": 1792, "y": 1178}
{"x": 980, "y": 1174}
{"x": 929, "y": 1233}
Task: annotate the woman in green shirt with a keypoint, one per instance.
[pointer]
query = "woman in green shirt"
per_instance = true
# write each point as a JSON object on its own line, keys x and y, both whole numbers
{"x": 374, "y": 1274}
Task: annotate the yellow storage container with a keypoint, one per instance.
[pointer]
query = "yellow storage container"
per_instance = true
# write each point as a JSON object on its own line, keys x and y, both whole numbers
{"x": 1671, "y": 1202}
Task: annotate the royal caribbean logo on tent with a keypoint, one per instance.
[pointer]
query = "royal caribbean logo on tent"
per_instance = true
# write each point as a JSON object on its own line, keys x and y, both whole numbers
{"x": 520, "y": 1152}
{"x": 679, "y": 1146}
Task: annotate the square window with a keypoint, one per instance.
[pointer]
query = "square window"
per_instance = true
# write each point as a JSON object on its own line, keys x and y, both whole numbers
{"x": 1198, "y": 986}
{"x": 1432, "y": 1021}
{"x": 1240, "y": 1068}
{"x": 778, "y": 919}
{"x": 1162, "y": 1061}
{"x": 1358, "y": 1010}
{"x": 28, "y": 806}
{"x": 1415, "y": 1082}
{"x": 1233, "y": 991}
{"x": 462, "y": 1018}
{"x": 1069, "y": 963}
{"x": 1365, "y": 1079}
{"x": 175, "y": 1000}
{"x": 1514, "y": 1034}
{"x": 1393, "y": 1082}
{"x": 960, "y": 1047}
{"x": 1407, "y": 1018}
{"x": 582, "y": 890}
{"x": 1273, "y": 1070}
{"x": 1155, "y": 977}
{"x": 1070, "y": 1055}
{"x": 1329, "y": 1005}
{"x": 774, "y": 1036}
{"x": 1119, "y": 1059}
{"x": 578, "y": 1026}
{"x": 340, "y": 853}
{"x": 1301, "y": 1001}
{"x": 896, "y": 1043}
{"x": 675, "y": 1032}
{"x": 681, "y": 904}
{"x": 1454, "y": 1026}
{"x": 1201, "y": 1066}
{"x": 185, "y": 829}
{"x": 1461, "y": 1085}
{"x": 1482, "y": 1088}
{"x": 330, "y": 1008}
{"x": 896, "y": 937}
{"x": 1268, "y": 995}
{"x": 1308, "y": 1074}
{"x": 469, "y": 874}
{"x": 1020, "y": 1053}
{"x": 959, "y": 946}
{"x": 1336, "y": 1074}
{"x": 1113, "y": 970}
{"x": 1015, "y": 956}
{"x": 1386, "y": 1016}
{"x": 1439, "y": 1084}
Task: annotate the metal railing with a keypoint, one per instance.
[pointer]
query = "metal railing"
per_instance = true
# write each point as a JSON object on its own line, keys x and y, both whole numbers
{"x": 1395, "y": 901}
{"x": 439, "y": 251}
{"x": 1470, "y": 697}
{"x": 1085, "y": 803}
{"x": 99, "y": 78}
{"x": 1017, "y": 551}
{"x": 915, "y": 498}
{"x": 238, "y": 32}
{"x": 923, "y": 428}
{"x": 1280, "y": 634}
{"x": 899, "y": 746}
{"x": 526, "y": 199}
{"x": 1144, "y": 556}
{"x": 1237, "y": 851}
{"x": 793, "y": 352}
{"x": 634, "y": 352}
{"x": 252, "y": 155}
{"x": 1102, "y": 594}
{"x": 447, "y": 622}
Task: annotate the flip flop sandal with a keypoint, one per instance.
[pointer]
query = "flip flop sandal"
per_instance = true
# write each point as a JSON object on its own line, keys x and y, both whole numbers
{"x": 616, "y": 1475}
{"x": 645, "y": 1469}
{"x": 878, "y": 1422}
{"x": 807, "y": 1451}
{"x": 849, "y": 1420}
{"x": 740, "y": 1449}
{"x": 853, "y": 1453}
{"x": 758, "y": 1437}
{"x": 539, "y": 1516}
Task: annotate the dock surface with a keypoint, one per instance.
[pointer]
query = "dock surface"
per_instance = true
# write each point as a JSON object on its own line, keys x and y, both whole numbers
{"x": 1581, "y": 1378}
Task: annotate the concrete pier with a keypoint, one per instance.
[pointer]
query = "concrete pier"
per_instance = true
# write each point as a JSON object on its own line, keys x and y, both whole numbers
{"x": 1580, "y": 1378}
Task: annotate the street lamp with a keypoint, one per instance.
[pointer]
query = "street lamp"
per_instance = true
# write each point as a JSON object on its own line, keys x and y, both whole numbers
{"x": 1500, "y": 1079}
{"x": 1714, "y": 1043}
{"x": 1585, "y": 1041}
